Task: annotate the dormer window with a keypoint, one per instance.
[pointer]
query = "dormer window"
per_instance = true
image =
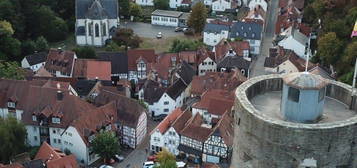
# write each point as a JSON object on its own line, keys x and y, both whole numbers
{"x": 11, "y": 104}
{"x": 34, "y": 118}
{"x": 56, "y": 120}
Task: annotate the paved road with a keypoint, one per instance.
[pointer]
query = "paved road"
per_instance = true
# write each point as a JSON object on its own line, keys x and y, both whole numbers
{"x": 150, "y": 31}
{"x": 258, "y": 65}
{"x": 137, "y": 157}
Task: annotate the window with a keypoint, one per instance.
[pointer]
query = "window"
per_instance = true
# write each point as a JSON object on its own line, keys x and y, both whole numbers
{"x": 293, "y": 94}
{"x": 321, "y": 94}
{"x": 56, "y": 120}
{"x": 34, "y": 118}
{"x": 252, "y": 41}
{"x": 90, "y": 29}
{"x": 166, "y": 103}
{"x": 54, "y": 131}
{"x": 11, "y": 104}
{"x": 166, "y": 110}
{"x": 104, "y": 30}
{"x": 59, "y": 141}
{"x": 96, "y": 30}
{"x": 35, "y": 138}
{"x": 55, "y": 140}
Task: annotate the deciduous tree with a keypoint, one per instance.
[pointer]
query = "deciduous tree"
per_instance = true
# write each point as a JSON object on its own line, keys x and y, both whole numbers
{"x": 161, "y": 4}
{"x": 135, "y": 10}
{"x": 85, "y": 52}
{"x": 127, "y": 38}
{"x": 106, "y": 145}
{"x": 329, "y": 49}
{"x": 166, "y": 159}
{"x": 11, "y": 70}
{"x": 197, "y": 19}
{"x": 124, "y": 8}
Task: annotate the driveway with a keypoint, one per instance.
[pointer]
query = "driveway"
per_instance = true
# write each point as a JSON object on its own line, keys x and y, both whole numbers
{"x": 150, "y": 31}
{"x": 258, "y": 65}
{"x": 138, "y": 156}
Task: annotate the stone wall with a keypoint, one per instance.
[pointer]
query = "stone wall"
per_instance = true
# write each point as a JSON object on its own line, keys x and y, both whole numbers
{"x": 270, "y": 143}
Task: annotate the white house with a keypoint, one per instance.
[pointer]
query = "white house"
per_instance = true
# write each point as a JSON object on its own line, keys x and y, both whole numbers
{"x": 60, "y": 63}
{"x": 169, "y": 18}
{"x": 164, "y": 135}
{"x": 178, "y": 3}
{"x": 138, "y": 63}
{"x": 221, "y": 5}
{"x": 262, "y": 3}
{"x": 248, "y": 31}
{"x": 34, "y": 61}
{"x": 145, "y": 2}
{"x": 214, "y": 33}
{"x": 296, "y": 41}
{"x": 206, "y": 65}
{"x": 95, "y": 21}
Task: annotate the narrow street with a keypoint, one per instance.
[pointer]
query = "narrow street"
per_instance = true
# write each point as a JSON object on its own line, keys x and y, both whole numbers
{"x": 258, "y": 65}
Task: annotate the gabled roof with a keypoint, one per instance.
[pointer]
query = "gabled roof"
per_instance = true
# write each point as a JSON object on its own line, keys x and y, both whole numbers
{"x": 92, "y": 69}
{"x": 195, "y": 131}
{"x": 258, "y": 10}
{"x": 164, "y": 64}
{"x": 54, "y": 158}
{"x": 147, "y": 55}
{"x": 83, "y": 86}
{"x": 186, "y": 72}
{"x": 96, "y": 9}
{"x": 181, "y": 121}
{"x": 59, "y": 60}
{"x": 165, "y": 124}
{"x": 215, "y": 28}
{"x": 223, "y": 47}
{"x": 233, "y": 62}
{"x": 189, "y": 56}
{"x": 176, "y": 89}
{"x": 167, "y": 13}
{"x": 225, "y": 129}
{"x": 119, "y": 61}
{"x": 36, "y": 58}
{"x": 152, "y": 91}
{"x": 246, "y": 30}
{"x": 216, "y": 80}
{"x": 216, "y": 101}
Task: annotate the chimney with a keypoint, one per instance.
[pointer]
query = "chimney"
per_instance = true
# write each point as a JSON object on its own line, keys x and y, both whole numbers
{"x": 59, "y": 95}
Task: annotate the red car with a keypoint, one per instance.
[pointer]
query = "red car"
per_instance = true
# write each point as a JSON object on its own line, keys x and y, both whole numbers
{"x": 152, "y": 158}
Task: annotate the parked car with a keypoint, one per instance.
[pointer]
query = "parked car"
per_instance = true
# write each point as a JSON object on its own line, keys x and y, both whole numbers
{"x": 152, "y": 158}
{"x": 159, "y": 35}
{"x": 148, "y": 164}
{"x": 178, "y": 29}
{"x": 106, "y": 166}
{"x": 159, "y": 117}
{"x": 180, "y": 164}
{"x": 118, "y": 158}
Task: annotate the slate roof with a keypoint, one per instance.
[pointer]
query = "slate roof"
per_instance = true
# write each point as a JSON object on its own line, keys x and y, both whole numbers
{"x": 83, "y": 86}
{"x": 168, "y": 13}
{"x": 119, "y": 61}
{"x": 176, "y": 89}
{"x": 186, "y": 72}
{"x": 36, "y": 58}
{"x": 246, "y": 30}
{"x": 34, "y": 163}
{"x": 215, "y": 28}
{"x": 152, "y": 91}
{"x": 233, "y": 62}
{"x": 96, "y": 9}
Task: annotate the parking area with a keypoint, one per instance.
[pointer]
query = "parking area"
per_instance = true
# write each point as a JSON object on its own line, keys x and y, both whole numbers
{"x": 147, "y": 30}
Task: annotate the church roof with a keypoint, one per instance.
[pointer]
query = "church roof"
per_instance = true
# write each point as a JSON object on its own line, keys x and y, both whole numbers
{"x": 96, "y": 9}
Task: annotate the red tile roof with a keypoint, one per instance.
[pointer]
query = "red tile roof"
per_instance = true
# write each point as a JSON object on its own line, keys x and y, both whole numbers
{"x": 164, "y": 64}
{"x": 148, "y": 55}
{"x": 258, "y": 10}
{"x": 92, "y": 69}
{"x": 13, "y": 165}
{"x": 181, "y": 121}
{"x": 168, "y": 121}
{"x": 216, "y": 80}
{"x": 54, "y": 158}
{"x": 59, "y": 60}
{"x": 195, "y": 131}
{"x": 216, "y": 101}
{"x": 223, "y": 47}
{"x": 189, "y": 56}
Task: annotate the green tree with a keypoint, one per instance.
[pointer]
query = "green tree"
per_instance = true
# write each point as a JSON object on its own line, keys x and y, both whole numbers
{"x": 124, "y": 8}
{"x": 161, "y": 4}
{"x": 338, "y": 26}
{"x": 12, "y": 138}
{"x": 6, "y": 28}
{"x": 41, "y": 44}
{"x": 127, "y": 38}
{"x": 185, "y": 45}
{"x": 106, "y": 145}
{"x": 166, "y": 159}
{"x": 329, "y": 49}
{"x": 135, "y": 10}
{"x": 112, "y": 46}
{"x": 197, "y": 19}
{"x": 10, "y": 48}
{"x": 319, "y": 7}
{"x": 85, "y": 52}
{"x": 309, "y": 15}
{"x": 28, "y": 47}
{"x": 348, "y": 58}
{"x": 11, "y": 70}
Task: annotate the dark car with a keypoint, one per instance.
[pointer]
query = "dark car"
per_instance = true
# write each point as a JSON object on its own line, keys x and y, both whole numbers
{"x": 159, "y": 117}
{"x": 178, "y": 29}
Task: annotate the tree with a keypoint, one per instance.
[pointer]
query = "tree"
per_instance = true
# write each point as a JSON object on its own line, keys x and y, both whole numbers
{"x": 197, "y": 19}
{"x": 28, "y": 47}
{"x": 111, "y": 46}
{"x": 41, "y": 44}
{"x": 124, "y": 8}
{"x": 166, "y": 159}
{"x": 9, "y": 46}
{"x": 127, "y": 38}
{"x": 106, "y": 145}
{"x": 185, "y": 45}
{"x": 309, "y": 14}
{"x": 329, "y": 48}
{"x": 135, "y": 10}
{"x": 338, "y": 26}
{"x": 11, "y": 70}
{"x": 12, "y": 138}
{"x": 85, "y": 52}
{"x": 161, "y": 4}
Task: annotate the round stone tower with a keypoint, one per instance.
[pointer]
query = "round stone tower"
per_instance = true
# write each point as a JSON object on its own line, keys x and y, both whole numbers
{"x": 303, "y": 97}
{"x": 310, "y": 127}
